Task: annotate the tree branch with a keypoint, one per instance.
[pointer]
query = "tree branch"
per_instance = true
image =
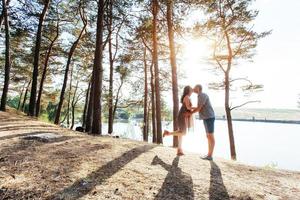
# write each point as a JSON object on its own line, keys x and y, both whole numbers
{"x": 241, "y": 105}
{"x": 130, "y": 104}
{"x": 241, "y": 79}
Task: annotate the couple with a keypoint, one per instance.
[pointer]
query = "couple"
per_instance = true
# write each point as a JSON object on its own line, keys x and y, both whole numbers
{"x": 185, "y": 118}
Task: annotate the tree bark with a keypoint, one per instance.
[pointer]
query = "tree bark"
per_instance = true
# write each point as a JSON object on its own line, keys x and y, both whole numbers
{"x": 153, "y": 113}
{"x": 86, "y": 106}
{"x": 117, "y": 99}
{"x": 89, "y": 119}
{"x": 173, "y": 67}
{"x": 7, "y": 58}
{"x": 69, "y": 98}
{"x": 98, "y": 72}
{"x": 21, "y": 95}
{"x": 2, "y": 14}
{"x": 111, "y": 69}
{"x": 74, "y": 102}
{"x": 155, "y": 8}
{"x": 35, "y": 73}
{"x": 145, "y": 124}
{"x": 148, "y": 118}
{"x": 227, "y": 94}
{"x": 229, "y": 118}
{"x": 45, "y": 69}
{"x": 70, "y": 55}
{"x": 25, "y": 96}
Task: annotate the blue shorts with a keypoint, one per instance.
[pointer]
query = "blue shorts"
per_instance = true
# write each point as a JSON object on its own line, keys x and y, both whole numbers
{"x": 209, "y": 125}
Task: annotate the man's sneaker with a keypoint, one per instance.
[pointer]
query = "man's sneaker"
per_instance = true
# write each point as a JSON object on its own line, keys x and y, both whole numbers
{"x": 207, "y": 158}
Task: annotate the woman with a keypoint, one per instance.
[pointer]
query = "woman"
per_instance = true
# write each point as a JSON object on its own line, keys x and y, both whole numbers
{"x": 184, "y": 118}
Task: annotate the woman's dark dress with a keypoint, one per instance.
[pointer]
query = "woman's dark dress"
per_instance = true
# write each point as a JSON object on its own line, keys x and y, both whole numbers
{"x": 184, "y": 120}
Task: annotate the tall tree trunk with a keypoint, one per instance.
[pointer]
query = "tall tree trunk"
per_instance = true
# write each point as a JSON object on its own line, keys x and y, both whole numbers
{"x": 2, "y": 13}
{"x": 25, "y": 96}
{"x": 153, "y": 113}
{"x": 98, "y": 72}
{"x": 1, "y": 16}
{"x": 70, "y": 55}
{"x": 229, "y": 118}
{"x": 86, "y": 106}
{"x": 156, "y": 71}
{"x": 117, "y": 99}
{"x": 43, "y": 78}
{"x": 89, "y": 119}
{"x": 74, "y": 102}
{"x": 35, "y": 73}
{"x": 174, "y": 68}
{"x": 227, "y": 91}
{"x": 7, "y": 58}
{"x": 145, "y": 124}
{"x": 111, "y": 69}
{"x": 148, "y": 119}
{"x": 69, "y": 98}
{"x": 21, "y": 95}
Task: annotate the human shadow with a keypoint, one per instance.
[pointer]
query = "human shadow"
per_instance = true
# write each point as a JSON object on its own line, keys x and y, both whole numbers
{"x": 86, "y": 184}
{"x": 177, "y": 184}
{"x": 217, "y": 189}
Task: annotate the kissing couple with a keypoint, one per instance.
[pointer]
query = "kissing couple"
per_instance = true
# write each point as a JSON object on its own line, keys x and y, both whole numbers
{"x": 185, "y": 118}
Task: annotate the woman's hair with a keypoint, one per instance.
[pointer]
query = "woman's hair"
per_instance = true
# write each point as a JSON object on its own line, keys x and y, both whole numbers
{"x": 186, "y": 91}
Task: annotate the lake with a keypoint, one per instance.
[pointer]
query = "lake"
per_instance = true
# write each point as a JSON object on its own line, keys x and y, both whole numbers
{"x": 257, "y": 143}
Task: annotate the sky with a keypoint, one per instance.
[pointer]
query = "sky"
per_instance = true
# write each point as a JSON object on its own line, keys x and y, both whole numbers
{"x": 276, "y": 64}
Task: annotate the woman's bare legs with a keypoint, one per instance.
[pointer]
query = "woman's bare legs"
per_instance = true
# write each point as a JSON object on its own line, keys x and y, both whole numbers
{"x": 179, "y": 134}
{"x": 179, "y": 149}
{"x": 174, "y": 133}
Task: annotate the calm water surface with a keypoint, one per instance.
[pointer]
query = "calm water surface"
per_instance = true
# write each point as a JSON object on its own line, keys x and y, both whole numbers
{"x": 257, "y": 143}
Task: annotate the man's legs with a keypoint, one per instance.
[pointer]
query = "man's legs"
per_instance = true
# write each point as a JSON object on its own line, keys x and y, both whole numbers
{"x": 211, "y": 144}
{"x": 209, "y": 125}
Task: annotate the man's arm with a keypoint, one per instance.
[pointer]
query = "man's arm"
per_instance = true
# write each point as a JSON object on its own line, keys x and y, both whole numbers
{"x": 201, "y": 103}
{"x": 197, "y": 109}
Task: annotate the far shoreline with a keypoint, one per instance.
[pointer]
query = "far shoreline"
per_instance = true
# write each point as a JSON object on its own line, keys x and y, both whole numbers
{"x": 262, "y": 120}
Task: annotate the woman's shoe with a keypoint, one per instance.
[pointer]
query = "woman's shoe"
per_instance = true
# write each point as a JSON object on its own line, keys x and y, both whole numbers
{"x": 180, "y": 153}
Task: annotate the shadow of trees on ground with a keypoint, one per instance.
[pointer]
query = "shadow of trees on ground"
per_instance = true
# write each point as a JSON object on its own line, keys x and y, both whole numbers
{"x": 11, "y": 136}
{"x": 28, "y": 144}
{"x": 177, "y": 184}
{"x": 84, "y": 185}
{"x": 24, "y": 127}
{"x": 6, "y": 193}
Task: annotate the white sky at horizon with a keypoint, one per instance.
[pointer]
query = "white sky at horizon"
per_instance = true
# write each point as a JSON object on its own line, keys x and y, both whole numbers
{"x": 275, "y": 64}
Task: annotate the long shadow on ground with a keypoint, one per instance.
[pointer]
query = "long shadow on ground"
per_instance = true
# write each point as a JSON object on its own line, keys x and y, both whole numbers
{"x": 28, "y": 145}
{"x": 24, "y": 127}
{"x": 83, "y": 186}
{"x": 177, "y": 184}
{"x": 217, "y": 189}
{"x": 11, "y": 136}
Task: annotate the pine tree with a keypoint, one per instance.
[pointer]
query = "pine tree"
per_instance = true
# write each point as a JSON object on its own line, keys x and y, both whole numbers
{"x": 229, "y": 25}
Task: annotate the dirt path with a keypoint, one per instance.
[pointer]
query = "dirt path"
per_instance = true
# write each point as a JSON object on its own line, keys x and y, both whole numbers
{"x": 78, "y": 166}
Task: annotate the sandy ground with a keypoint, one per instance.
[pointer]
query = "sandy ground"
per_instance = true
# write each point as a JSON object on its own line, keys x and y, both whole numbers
{"x": 77, "y": 166}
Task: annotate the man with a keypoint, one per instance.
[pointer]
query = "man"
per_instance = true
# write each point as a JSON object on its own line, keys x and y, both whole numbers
{"x": 207, "y": 114}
